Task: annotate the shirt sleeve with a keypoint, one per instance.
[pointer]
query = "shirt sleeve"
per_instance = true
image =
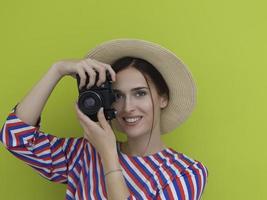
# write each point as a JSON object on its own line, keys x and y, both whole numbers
{"x": 188, "y": 185}
{"x": 52, "y": 157}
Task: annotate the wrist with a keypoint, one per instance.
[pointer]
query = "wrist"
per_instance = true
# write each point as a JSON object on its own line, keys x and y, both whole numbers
{"x": 110, "y": 162}
{"x": 56, "y": 69}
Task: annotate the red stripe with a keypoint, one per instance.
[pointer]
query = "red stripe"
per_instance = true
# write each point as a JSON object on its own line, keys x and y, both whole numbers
{"x": 181, "y": 189}
{"x": 145, "y": 176}
{"x": 102, "y": 179}
{"x": 88, "y": 165}
{"x": 169, "y": 192}
{"x": 192, "y": 189}
{"x": 132, "y": 176}
{"x": 7, "y": 136}
{"x": 196, "y": 170}
{"x": 94, "y": 172}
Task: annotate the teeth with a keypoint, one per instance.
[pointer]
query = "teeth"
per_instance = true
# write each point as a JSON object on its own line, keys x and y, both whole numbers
{"x": 132, "y": 119}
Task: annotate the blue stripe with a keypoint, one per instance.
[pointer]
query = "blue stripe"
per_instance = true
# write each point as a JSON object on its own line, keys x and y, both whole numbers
{"x": 197, "y": 180}
{"x": 140, "y": 181}
{"x": 175, "y": 185}
{"x": 188, "y": 186}
{"x": 150, "y": 176}
{"x": 68, "y": 197}
{"x": 96, "y": 172}
{"x": 31, "y": 160}
{"x": 42, "y": 147}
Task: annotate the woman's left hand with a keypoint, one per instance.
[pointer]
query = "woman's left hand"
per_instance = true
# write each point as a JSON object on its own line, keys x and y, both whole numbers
{"x": 100, "y": 135}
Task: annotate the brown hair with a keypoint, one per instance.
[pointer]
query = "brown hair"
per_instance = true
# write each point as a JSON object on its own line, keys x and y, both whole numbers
{"x": 144, "y": 67}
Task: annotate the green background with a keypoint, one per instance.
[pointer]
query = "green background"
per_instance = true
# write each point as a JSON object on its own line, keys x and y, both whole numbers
{"x": 222, "y": 42}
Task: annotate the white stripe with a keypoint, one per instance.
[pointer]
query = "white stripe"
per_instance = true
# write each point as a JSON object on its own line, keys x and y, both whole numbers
{"x": 17, "y": 130}
{"x": 85, "y": 157}
{"x": 173, "y": 190}
{"x": 148, "y": 182}
{"x": 72, "y": 162}
{"x": 72, "y": 181}
{"x": 192, "y": 160}
{"x": 91, "y": 172}
{"x": 25, "y": 139}
{"x": 61, "y": 169}
{"x": 11, "y": 121}
{"x": 59, "y": 160}
{"x": 193, "y": 178}
{"x": 70, "y": 194}
{"x": 58, "y": 151}
{"x": 46, "y": 152}
{"x": 40, "y": 144}
{"x": 54, "y": 176}
{"x": 184, "y": 187}
{"x": 44, "y": 169}
{"x": 138, "y": 172}
{"x": 99, "y": 179}
{"x": 182, "y": 177}
{"x": 22, "y": 152}
{"x": 54, "y": 140}
{"x": 165, "y": 174}
{"x": 173, "y": 168}
{"x": 139, "y": 190}
{"x": 65, "y": 143}
{"x": 202, "y": 179}
{"x": 4, "y": 135}
{"x": 76, "y": 173}
{"x": 37, "y": 159}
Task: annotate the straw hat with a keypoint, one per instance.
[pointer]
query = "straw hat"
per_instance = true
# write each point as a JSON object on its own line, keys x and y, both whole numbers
{"x": 181, "y": 85}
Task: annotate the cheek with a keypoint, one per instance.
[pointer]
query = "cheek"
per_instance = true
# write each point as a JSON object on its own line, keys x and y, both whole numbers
{"x": 146, "y": 106}
{"x": 139, "y": 104}
{"x": 117, "y": 106}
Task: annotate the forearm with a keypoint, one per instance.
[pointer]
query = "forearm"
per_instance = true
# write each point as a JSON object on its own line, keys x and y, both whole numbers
{"x": 115, "y": 183}
{"x": 31, "y": 106}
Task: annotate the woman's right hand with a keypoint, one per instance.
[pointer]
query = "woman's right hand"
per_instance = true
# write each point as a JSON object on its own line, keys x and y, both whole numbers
{"x": 71, "y": 67}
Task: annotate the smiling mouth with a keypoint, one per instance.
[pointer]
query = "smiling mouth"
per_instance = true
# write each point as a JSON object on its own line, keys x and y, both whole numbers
{"x": 132, "y": 120}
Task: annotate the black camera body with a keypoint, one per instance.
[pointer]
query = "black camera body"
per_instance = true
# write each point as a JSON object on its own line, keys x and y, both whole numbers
{"x": 92, "y": 99}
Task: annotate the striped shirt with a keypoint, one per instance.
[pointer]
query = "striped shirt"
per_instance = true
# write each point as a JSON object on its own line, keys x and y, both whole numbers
{"x": 167, "y": 174}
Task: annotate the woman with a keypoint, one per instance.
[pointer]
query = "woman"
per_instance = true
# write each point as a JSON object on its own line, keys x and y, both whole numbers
{"x": 155, "y": 93}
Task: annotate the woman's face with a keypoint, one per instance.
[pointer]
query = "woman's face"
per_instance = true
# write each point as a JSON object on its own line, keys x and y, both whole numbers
{"x": 134, "y": 105}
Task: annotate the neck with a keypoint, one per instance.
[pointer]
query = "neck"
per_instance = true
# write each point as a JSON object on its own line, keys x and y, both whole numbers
{"x": 140, "y": 148}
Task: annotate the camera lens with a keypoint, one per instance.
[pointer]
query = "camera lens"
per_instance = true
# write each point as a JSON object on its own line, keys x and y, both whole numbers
{"x": 89, "y": 102}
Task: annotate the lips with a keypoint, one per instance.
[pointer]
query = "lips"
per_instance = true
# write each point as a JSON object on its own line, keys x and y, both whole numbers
{"x": 132, "y": 120}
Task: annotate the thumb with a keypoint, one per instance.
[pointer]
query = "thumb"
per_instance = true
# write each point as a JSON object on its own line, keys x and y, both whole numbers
{"x": 102, "y": 120}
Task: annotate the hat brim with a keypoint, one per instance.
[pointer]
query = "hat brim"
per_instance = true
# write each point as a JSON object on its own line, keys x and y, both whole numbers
{"x": 179, "y": 79}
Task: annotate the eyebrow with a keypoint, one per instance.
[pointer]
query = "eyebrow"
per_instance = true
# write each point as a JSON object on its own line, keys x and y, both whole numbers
{"x": 133, "y": 89}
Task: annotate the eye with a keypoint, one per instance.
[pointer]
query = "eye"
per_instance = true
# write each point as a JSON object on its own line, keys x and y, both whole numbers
{"x": 117, "y": 95}
{"x": 141, "y": 93}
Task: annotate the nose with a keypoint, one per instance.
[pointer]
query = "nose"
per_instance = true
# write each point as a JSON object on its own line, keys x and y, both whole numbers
{"x": 128, "y": 105}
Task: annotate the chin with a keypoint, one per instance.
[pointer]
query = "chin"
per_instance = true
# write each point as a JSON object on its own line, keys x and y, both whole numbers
{"x": 134, "y": 131}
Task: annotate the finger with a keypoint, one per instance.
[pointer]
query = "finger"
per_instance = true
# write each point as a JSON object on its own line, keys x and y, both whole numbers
{"x": 82, "y": 77}
{"x": 101, "y": 69}
{"x": 109, "y": 68}
{"x": 83, "y": 118}
{"x": 92, "y": 74}
{"x": 101, "y": 76}
{"x": 102, "y": 120}
{"x": 112, "y": 72}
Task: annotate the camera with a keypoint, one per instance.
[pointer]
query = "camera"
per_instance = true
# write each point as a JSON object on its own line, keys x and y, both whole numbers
{"x": 92, "y": 99}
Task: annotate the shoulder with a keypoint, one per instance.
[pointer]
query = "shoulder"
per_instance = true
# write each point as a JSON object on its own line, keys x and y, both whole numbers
{"x": 182, "y": 166}
{"x": 187, "y": 174}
